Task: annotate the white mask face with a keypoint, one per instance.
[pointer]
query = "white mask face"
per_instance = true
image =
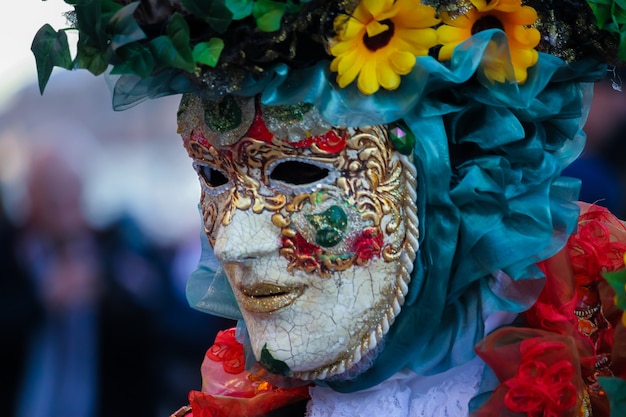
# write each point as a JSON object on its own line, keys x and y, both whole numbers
{"x": 315, "y": 228}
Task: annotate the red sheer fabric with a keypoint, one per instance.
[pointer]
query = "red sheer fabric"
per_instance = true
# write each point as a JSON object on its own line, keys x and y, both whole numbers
{"x": 539, "y": 373}
{"x": 230, "y": 391}
{"x": 574, "y": 333}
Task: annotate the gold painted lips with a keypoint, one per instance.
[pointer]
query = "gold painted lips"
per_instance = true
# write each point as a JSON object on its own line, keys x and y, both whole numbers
{"x": 265, "y": 297}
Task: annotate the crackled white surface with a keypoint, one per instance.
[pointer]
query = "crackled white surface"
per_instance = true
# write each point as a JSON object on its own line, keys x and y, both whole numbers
{"x": 331, "y": 316}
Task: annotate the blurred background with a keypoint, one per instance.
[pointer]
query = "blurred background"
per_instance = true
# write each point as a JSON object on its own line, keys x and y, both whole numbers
{"x": 99, "y": 230}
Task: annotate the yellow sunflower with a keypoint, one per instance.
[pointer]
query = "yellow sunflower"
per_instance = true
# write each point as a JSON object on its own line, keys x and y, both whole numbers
{"x": 379, "y": 42}
{"x": 508, "y": 15}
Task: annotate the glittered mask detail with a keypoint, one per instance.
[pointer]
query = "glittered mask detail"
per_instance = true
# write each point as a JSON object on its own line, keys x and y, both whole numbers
{"x": 222, "y": 116}
{"x": 291, "y": 113}
{"x": 220, "y": 122}
{"x": 330, "y": 226}
{"x": 368, "y": 190}
{"x": 362, "y": 178}
{"x": 295, "y": 122}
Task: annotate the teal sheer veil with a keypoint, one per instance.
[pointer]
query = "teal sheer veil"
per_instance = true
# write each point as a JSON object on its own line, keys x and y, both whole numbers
{"x": 491, "y": 203}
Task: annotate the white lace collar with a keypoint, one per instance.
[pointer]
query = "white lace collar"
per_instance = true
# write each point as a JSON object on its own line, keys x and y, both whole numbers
{"x": 406, "y": 394}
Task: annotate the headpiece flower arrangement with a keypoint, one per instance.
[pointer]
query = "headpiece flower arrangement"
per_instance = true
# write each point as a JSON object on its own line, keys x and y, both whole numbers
{"x": 166, "y": 47}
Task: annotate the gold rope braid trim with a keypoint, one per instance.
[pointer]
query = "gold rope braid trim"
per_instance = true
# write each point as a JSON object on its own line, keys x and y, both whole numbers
{"x": 407, "y": 259}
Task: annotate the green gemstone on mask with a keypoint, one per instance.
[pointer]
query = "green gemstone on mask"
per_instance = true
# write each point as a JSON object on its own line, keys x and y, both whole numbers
{"x": 402, "y": 139}
{"x": 222, "y": 116}
{"x": 275, "y": 366}
{"x": 330, "y": 226}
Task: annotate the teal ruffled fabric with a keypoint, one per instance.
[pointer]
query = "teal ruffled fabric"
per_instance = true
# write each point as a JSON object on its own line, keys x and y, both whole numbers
{"x": 130, "y": 90}
{"x": 208, "y": 289}
{"x": 491, "y": 198}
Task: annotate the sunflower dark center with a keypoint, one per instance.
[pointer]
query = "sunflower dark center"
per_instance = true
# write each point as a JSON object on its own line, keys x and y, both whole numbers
{"x": 382, "y": 39}
{"x": 486, "y": 23}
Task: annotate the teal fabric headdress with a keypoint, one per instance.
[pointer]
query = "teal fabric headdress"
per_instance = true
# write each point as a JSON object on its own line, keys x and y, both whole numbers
{"x": 492, "y": 128}
{"x": 490, "y": 194}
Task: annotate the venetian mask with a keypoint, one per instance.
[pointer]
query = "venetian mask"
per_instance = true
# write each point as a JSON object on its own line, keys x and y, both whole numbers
{"x": 314, "y": 225}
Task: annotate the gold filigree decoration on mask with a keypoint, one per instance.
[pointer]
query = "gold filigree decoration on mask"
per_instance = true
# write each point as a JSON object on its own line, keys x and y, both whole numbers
{"x": 347, "y": 365}
{"x": 243, "y": 194}
{"x": 370, "y": 182}
{"x": 320, "y": 263}
{"x": 368, "y": 157}
{"x": 244, "y": 164}
{"x": 386, "y": 179}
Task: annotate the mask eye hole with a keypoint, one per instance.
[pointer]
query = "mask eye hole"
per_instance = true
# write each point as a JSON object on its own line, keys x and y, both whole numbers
{"x": 211, "y": 177}
{"x": 298, "y": 173}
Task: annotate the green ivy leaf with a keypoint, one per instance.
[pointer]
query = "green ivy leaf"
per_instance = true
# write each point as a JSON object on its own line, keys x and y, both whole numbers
{"x": 215, "y": 13}
{"x": 135, "y": 59}
{"x": 90, "y": 25}
{"x": 239, "y": 8}
{"x": 198, "y": 7}
{"x": 110, "y": 8}
{"x": 208, "y": 53}
{"x": 172, "y": 49}
{"x": 124, "y": 27}
{"x": 51, "y": 49}
{"x": 268, "y": 14}
{"x": 621, "y": 49}
{"x": 166, "y": 55}
{"x": 601, "y": 10}
{"x": 178, "y": 31}
{"x": 619, "y": 15}
{"x": 91, "y": 58}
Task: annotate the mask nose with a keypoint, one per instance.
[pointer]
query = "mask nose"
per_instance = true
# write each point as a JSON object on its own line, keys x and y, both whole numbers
{"x": 247, "y": 236}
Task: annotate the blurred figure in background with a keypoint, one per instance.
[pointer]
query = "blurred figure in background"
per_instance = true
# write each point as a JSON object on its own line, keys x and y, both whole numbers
{"x": 96, "y": 290}
{"x": 93, "y": 303}
{"x": 19, "y": 312}
{"x": 614, "y": 153}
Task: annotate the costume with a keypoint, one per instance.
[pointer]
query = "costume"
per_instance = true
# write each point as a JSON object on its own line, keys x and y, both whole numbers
{"x": 381, "y": 192}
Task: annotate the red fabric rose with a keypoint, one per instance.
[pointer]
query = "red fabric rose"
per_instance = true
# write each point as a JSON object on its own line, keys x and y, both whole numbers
{"x": 598, "y": 244}
{"x": 541, "y": 389}
{"x": 227, "y": 350}
{"x": 539, "y": 372}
